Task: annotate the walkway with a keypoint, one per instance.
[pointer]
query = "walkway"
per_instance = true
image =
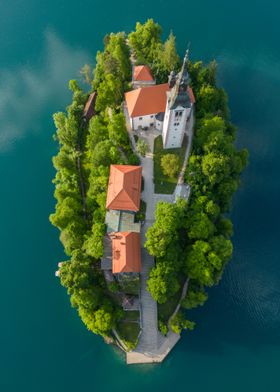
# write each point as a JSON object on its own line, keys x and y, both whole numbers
{"x": 152, "y": 346}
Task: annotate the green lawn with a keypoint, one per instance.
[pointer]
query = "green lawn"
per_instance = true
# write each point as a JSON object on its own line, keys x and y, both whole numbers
{"x": 131, "y": 315}
{"x": 165, "y": 310}
{"x": 164, "y": 184}
{"x": 129, "y": 332}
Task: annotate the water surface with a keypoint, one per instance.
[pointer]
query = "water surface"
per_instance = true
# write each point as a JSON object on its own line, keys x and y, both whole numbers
{"x": 44, "y": 346}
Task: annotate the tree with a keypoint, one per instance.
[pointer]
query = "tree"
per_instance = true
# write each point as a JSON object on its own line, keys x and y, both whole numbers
{"x": 162, "y": 282}
{"x": 93, "y": 244}
{"x": 170, "y": 57}
{"x": 117, "y": 130}
{"x": 104, "y": 154}
{"x": 97, "y": 132}
{"x": 211, "y": 100}
{"x": 170, "y": 165}
{"x": 164, "y": 230}
{"x": 179, "y": 322}
{"x": 199, "y": 226}
{"x": 109, "y": 93}
{"x": 145, "y": 40}
{"x": 216, "y": 167}
{"x": 88, "y": 298}
{"x": 142, "y": 147}
{"x": 100, "y": 322}
{"x": 194, "y": 298}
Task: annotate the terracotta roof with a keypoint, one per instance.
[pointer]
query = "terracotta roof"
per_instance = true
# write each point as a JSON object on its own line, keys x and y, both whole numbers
{"x": 124, "y": 188}
{"x": 142, "y": 73}
{"x": 191, "y": 94}
{"x": 147, "y": 100}
{"x": 126, "y": 252}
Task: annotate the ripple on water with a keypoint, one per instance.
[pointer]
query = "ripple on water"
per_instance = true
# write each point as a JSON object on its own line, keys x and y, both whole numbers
{"x": 254, "y": 287}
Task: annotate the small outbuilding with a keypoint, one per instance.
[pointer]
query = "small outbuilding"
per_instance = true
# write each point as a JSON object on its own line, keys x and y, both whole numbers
{"x": 89, "y": 109}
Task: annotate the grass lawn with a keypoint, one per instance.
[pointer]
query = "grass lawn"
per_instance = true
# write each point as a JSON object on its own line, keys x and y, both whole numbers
{"x": 164, "y": 184}
{"x": 132, "y": 315}
{"x": 165, "y": 310}
{"x": 129, "y": 332}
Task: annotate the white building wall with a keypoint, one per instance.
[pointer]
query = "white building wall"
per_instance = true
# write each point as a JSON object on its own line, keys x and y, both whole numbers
{"x": 159, "y": 125}
{"x": 165, "y": 123}
{"x": 143, "y": 121}
{"x": 174, "y": 130}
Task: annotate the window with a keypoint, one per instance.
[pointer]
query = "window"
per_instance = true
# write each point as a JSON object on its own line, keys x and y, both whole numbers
{"x": 151, "y": 124}
{"x": 152, "y": 116}
{"x": 180, "y": 114}
{"x": 140, "y": 118}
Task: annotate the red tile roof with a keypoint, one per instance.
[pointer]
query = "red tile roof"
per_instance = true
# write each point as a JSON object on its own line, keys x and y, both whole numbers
{"x": 142, "y": 73}
{"x": 124, "y": 188}
{"x": 126, "y": 252}
{"x": 191, "y": 94}
{"x": 147, "y": 100}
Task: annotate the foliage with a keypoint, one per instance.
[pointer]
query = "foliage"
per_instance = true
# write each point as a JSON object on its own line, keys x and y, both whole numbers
{"x": 188, "y": 239}
{"x": 93, "y": 244}
{"x": 163, "y": 183}
{"x": 141, "y": 214}
{"x": 149, "y": 49}
{"x": 195, "y": 297}
{"x": 162, "y": 282}
{"x": 114, "y": 60}
{"x": 179, "y": 322}
{"x": 142, "y": 147}
{"x": 164, "y": 231}
{"x": 129, "y": 332}
{"x": 197, "y": 244}
{"x": 130, "y": 284}
{"x": 163, "y": 328}
{"x": 170, "y": 165}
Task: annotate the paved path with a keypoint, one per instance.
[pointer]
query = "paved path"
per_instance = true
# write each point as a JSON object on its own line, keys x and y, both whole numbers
{"x": 152, "y": 346}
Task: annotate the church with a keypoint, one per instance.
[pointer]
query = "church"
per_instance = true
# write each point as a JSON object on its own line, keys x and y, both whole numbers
{"x": 167, "y": 107}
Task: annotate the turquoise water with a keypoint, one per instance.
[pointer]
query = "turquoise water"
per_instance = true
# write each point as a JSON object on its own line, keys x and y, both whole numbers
{"x": 44, "y": 346}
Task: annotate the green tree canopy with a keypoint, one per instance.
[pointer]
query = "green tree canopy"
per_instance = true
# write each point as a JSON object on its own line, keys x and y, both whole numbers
{"x": 170, "y": 165}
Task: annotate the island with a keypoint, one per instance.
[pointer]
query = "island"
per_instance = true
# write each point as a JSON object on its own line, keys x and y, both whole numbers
{"x": 145, "y": 173}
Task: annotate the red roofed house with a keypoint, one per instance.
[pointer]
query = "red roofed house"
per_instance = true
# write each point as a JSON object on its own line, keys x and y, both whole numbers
{"x": 142, "y": 76}
{"x": 126, "y": 252}
{"x": 167, "y": 107}
{"x": 124, "y": 188}
{"x": 146, "y": 105}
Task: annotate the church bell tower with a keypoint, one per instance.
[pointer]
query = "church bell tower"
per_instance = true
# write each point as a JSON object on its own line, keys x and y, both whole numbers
{"x": 178, "y": 119}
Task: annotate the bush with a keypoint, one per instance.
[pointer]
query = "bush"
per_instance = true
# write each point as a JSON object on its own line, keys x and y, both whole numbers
{"x": 163, "y": 328}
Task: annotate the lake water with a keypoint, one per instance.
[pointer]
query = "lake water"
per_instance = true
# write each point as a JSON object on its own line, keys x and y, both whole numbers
{"x": 44, "y": 346}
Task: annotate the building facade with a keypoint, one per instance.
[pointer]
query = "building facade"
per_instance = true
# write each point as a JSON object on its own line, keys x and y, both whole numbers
{"x": 168, "y": 108}
{"x": 178, "y": 119}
